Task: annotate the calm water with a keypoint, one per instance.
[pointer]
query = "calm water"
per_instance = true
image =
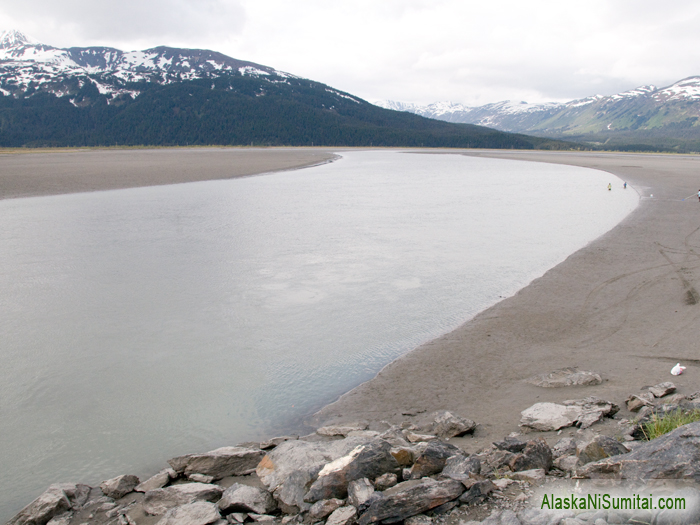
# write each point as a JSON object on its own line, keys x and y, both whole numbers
{"x": 144, "y": 323}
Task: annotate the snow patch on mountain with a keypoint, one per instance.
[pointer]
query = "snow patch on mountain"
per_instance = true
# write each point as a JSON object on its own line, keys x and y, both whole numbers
{"x": 27, "y": 65}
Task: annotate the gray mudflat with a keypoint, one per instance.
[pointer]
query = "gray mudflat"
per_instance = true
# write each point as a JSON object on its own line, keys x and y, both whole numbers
{"x": 624, "y": 306}
{"x": 28, "y": 174}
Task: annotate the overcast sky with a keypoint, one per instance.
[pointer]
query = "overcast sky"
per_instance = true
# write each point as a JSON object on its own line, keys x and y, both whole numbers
{"x": 406, "y": 50}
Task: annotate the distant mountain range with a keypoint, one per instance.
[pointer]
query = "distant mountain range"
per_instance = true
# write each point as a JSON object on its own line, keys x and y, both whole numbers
{"x": 167, "y": 96}
{"x": 643, "y": 118}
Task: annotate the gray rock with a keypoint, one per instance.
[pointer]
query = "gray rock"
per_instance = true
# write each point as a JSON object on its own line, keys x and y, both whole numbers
{"x": 531, "y": 476}
{"x": 325, "y": 507}
{"x": 598, "y": 448}
{"x": 593, "y": 409}
{"x": 477, "y": 491}
{"x": 369, "y": 460}
{"x": 302, "y": 457}
{"x": 662, "y": 389}
{"x": 415, "y": 437}
{"x": 386, "y": 481}
{"x": 564, "y": 447}
{"x": 261, "y": 517}
{"x": 56, "y": 500}
{"x": 549, "y": 416}
{"x": 120, "y": 486}
{"x": 291, "y": 494}
{"x": 157, "y": 481}
{"x": 566, "y": 463}
{"x": 535, "y": 455}
{"x": 420, "y": 519}
{"x": 493, "y": 519}
{"x": 460, "y": 467}
{"x": 159, "y": 501}
{"x": 442, "y": 509}
{"x": 542, "y": 517}
{"x": 565, "y": 377}
{"x": 448, "y": 425}
{"x": 433, "y": 459}
{"x": 63, "y": 519}
{"x": 219, "y": 463}
{"x": 197, "y": 513}
{"x": 672, "y": 456}
{"x": 410, "y": 498}
{"x": 238, "y": 517}
{"x": 244, "y": 498}
{"x": 359, "y": 492}
{"x": 511, "y": 444}
{"x": 508, "y": 517}
{"x": 341, "y": 430}
{"x": 201, "y": 478}
{"x": 342, "y": 516}
{"x": 634, "y": 403}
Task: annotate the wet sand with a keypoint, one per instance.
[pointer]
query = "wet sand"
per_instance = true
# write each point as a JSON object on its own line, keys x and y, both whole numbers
{"x": 24, "y": 173}
{"x": 625, "y": 306}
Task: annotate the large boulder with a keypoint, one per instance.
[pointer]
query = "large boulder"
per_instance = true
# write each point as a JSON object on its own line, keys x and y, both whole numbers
{"x": 159, "y": 501}
{"x": 549, "y": 416}
{"x": 244, "y": 498}
{"x": 565, "y": 377}
{"x": 369, "y": 460}
{"x": 410, "y": 498}
{"x": 288, "y": 470}
{"x": 535, "y": 455}
{"x": 598, "y": 448}
{"x": 662, "y": 389}
{"x": 448, "y": 425}
{"x": 581, "y": 412}
{"x": 157, "y": 481}
{"x": 219, "y": 463}
{"x": 460, "y": 467}
{"x": 120, "y": 486}
{"x": 432, "y": 460}
{"x": 197, "y": 513}
{"x": 593, "y": 409}
{"x": 675, "y": 455}
{"x": 56, "y": 500}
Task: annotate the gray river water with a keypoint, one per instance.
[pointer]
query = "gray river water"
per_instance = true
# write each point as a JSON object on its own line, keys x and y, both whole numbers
{"x": 144, "y": 323}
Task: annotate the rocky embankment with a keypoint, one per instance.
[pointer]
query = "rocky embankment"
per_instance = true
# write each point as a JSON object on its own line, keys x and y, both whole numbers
{"x": 360, "y": 474}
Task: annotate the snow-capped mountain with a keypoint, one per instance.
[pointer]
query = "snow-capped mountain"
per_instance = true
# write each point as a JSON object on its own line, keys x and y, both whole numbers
{"x": 646, "y": 109}
{"x": 27, "y": 66}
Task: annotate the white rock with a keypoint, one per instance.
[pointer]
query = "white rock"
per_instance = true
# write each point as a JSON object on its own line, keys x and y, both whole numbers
{"x": 197, "y": 513}
{"x": 549, "y": 416}
{"x": 342, "y": 516}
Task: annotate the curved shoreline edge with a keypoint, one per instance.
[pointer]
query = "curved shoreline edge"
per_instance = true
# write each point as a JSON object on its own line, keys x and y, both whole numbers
{"x": 625, "y": 306}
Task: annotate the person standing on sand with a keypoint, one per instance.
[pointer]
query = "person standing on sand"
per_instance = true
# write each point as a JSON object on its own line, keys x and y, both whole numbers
{"x": 610, "y": 187}
{"x": 624, "y": 185}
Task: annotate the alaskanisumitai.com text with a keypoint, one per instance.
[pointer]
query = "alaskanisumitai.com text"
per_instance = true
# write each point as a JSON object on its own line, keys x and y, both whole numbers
{"x": 606, "y": 501}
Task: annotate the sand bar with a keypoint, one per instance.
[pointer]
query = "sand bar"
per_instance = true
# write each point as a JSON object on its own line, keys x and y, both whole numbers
{"x": 626, "y": 306}
{"x": 24, "y": 173}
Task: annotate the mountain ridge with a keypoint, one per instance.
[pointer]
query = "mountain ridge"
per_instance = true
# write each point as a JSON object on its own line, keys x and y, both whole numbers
{"x": 172, "y": 96}
{"x": 666, "y": 117}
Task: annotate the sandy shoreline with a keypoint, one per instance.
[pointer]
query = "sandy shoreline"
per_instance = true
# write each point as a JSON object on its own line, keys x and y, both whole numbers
{"x": 619, "y": 306}
{"x": 31, "y": 174}
{"x": 624, "y": 306}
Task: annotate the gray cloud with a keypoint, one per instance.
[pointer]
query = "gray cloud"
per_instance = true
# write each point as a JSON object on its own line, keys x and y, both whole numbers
{"x": 412, "y": 50}
{"x": 141, "y": 21}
